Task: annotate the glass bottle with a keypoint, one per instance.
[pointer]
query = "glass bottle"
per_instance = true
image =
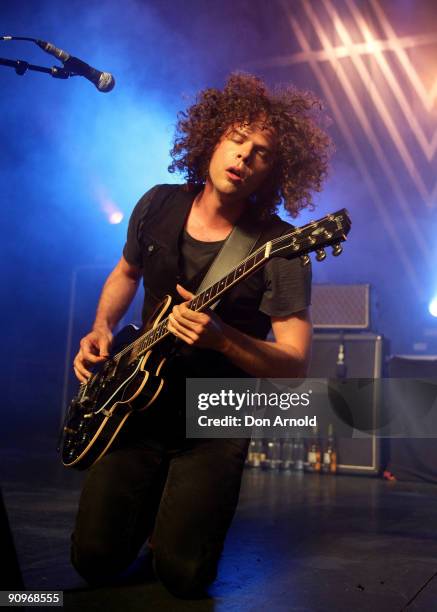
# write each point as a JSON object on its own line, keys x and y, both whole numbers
{"x": 329, "y": 464}
{"x": 255, "y": 454}
{"x": 273, "y": 454}
{"x": 298, "y": 453}
{"x": 287, "y": 454}
{"x": 314, "y": 454}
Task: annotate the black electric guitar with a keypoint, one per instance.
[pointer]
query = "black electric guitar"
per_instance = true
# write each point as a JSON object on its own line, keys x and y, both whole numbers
{"x": 131, "y": 379}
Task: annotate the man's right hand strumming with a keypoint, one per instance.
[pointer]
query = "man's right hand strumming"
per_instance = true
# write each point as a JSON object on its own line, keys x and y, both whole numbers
{"x": 94, "y": 348}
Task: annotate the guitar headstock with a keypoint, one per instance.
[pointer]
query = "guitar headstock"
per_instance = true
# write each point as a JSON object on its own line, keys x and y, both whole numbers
{"x": 315, "y": 236}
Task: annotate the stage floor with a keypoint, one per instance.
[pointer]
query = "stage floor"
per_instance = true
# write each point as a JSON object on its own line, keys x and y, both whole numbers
{"x": 298, "y": 542}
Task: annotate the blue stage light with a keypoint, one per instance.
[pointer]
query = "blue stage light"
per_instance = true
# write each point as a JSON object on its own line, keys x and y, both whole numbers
{"x": 116, "y": 217}
{"x": 433, "y": 307}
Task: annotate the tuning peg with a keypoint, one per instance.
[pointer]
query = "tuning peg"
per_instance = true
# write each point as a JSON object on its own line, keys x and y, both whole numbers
{"x": 305, "y": 260}
{"x": 337, "y": 249}
{"x": 320, "y": 254}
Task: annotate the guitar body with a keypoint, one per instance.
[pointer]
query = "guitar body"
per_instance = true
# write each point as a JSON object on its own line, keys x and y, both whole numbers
{"x": 103, "y": 405}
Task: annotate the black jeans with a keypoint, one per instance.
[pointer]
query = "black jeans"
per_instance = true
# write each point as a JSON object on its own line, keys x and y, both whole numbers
{"x": 186, "y": 495}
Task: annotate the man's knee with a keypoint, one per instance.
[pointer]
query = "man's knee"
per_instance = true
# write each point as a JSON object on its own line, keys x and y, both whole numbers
{"x": 184, "y": 576}
{"x": 95, "y": 563}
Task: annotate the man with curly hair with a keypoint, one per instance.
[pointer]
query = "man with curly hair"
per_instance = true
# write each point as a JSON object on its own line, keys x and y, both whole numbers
{"x": 243, "y": 151}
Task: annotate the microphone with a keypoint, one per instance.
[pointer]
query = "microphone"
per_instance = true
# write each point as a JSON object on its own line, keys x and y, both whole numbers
{"x": 104, "y": 81}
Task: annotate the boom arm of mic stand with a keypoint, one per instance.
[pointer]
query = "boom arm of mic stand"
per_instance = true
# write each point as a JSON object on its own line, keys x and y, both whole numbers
{"x": 20, "y": 67}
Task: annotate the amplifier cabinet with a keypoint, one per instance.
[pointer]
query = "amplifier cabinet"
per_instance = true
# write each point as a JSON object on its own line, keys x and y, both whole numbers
{"x": 363, "y": 358}
{"x": 413, "y": 458}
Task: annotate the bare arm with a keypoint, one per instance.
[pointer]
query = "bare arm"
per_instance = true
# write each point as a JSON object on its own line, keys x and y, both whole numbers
{"x": 287, "y": 357}
{"x": 117, "y": 293}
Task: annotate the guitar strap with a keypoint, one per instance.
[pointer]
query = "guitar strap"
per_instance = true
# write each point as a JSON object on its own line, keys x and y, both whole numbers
{"x": 237, "y": 247}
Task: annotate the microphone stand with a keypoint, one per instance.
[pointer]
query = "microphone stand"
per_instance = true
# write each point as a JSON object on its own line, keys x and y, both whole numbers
{"x": 21, "y": 66}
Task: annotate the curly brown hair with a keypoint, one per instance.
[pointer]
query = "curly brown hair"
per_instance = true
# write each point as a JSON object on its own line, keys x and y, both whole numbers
{"x": 303, "y": 147}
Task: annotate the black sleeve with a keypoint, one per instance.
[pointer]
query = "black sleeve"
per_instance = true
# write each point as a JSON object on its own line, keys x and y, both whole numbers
{"x": 288, "y": 287}
{"x": 132, "y": 250}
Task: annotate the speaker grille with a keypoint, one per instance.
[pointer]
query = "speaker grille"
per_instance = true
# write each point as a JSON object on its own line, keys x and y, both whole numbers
{"x": 362, "y": 355}
{"x": 341, "y": 306}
